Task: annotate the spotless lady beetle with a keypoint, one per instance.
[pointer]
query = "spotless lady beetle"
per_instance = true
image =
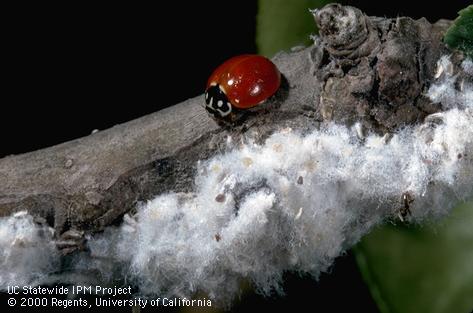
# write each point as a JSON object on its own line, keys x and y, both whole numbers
{"x": 240, "y": 83}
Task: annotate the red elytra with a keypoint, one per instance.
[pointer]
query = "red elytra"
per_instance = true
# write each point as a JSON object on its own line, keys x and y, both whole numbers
{"x": 245, "y": 80}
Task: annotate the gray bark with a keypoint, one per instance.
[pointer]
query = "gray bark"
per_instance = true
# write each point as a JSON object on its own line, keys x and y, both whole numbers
{"x": 372, "y": 70}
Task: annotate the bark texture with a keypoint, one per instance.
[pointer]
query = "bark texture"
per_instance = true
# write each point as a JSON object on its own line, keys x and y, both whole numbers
{"x": 367, "y": 69}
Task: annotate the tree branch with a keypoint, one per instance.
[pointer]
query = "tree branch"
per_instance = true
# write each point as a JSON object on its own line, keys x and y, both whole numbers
{"x": 255, "y": 199}
{"x": 372, "y": 70}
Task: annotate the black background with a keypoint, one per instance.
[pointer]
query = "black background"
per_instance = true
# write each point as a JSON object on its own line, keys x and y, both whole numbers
{"x": 69, "y": 70}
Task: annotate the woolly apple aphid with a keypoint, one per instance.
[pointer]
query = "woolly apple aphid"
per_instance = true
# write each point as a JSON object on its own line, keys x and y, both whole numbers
{"x": 407, "y": 199}
{"x": 241, "y": 82}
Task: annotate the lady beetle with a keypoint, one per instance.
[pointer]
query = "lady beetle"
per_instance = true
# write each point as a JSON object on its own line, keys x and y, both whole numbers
{"x": 240, "y": 83}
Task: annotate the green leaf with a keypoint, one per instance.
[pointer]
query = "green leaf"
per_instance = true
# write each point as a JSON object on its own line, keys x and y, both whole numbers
{"x": 429, "y": 269}
{"x": 282, "y": 24}
{"x": 460, "y": 34}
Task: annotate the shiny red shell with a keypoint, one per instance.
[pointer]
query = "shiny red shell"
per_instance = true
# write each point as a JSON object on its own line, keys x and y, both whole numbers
{"x": 246, "y": 80}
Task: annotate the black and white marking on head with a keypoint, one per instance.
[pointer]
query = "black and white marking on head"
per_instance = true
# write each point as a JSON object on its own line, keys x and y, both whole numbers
{"x": 217, "y": 102}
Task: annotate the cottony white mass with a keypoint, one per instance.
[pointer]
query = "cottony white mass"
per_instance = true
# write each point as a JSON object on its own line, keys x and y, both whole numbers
{"x": 292, "y": 204}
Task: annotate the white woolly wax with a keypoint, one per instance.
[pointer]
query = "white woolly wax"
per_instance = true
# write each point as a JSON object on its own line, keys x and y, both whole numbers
{"x": 293, "y": 203}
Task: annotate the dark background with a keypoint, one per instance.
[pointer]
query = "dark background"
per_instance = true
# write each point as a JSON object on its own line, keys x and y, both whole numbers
{"x": 70, "y": 70}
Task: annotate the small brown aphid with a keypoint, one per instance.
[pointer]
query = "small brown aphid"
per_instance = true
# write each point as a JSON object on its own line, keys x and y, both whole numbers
{"x": 220, "y": 198}
{"x": 404, "y": 210}
{"x": 217, "y": 237}
{"x": 300, "y": 180}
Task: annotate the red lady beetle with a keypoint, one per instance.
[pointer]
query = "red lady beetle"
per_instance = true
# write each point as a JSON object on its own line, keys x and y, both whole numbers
{"x": 241, "y": 82}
